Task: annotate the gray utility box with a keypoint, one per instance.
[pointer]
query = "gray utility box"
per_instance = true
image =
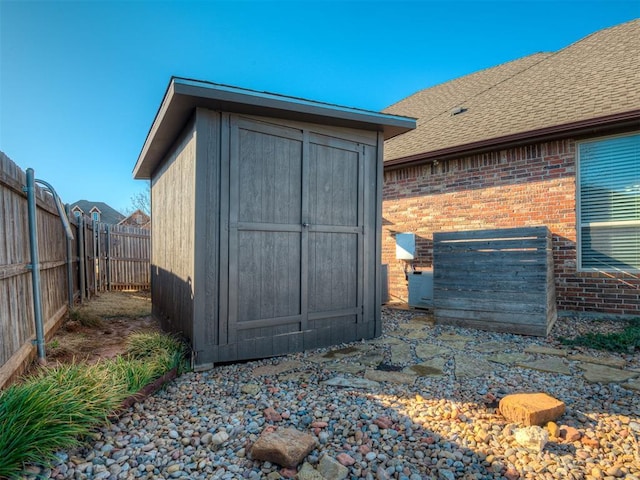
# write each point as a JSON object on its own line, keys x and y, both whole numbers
{"x": 421, "y": 289}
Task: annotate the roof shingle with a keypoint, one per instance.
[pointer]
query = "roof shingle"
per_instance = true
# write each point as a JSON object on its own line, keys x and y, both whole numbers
{"x": 594, "y": 77}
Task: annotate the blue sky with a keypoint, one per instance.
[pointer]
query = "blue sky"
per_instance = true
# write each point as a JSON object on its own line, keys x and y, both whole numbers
{"x": 80, "y": 82}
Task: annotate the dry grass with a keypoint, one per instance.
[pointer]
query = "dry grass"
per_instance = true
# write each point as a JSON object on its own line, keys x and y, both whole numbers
{"x": 118, "y": 304}
{"x": 98, "y": 329}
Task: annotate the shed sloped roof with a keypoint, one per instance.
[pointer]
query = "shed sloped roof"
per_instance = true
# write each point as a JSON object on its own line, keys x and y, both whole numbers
{"x": 184, "y": 95}
{"x": 596, "y": 77}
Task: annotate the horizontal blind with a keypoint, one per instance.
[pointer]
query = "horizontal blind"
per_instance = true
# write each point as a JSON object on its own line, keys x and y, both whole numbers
{"x": 609, "y": 201}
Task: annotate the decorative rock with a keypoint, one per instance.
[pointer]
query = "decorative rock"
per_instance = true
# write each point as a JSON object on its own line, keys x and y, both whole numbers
{"x": 250, "y": 388}
{"x": 307, "y": 472}
{"x": 345, "y": 459}
{"x": 553, "y": 429}
{"x": 271, "y": 415}
{"x": 531, "y": 408}
{"x": 533, "y": 438}
{"x": 219, "y": 438}
{"x": 285, "y": 446}
{"x": 569, "y": 434}
{"x": 331, "y": 468}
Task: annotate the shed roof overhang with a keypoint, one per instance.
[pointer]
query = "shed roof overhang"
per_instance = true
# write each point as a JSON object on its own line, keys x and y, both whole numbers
{"x": 184, "y": 95}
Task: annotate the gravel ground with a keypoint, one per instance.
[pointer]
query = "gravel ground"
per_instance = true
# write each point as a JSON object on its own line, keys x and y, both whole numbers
{"x": 440, "y": 427}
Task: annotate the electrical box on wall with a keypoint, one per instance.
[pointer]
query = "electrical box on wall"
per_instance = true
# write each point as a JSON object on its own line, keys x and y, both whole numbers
{"x": 405, "y": 246}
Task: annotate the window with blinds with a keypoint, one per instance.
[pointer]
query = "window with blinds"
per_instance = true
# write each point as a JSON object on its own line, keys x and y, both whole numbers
{"x": 608, "y": 201}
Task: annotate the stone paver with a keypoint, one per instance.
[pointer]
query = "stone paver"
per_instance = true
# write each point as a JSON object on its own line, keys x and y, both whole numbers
{"x": 431, "y": 368}
{"x": 393, "y": 377}
{"x": 418, "y": 334}
{"x": 510, "y": 358}
{"x": 352, "y": 368}
{"x": 277, "y": 368}
{"x": 371, "y": 358}
{"x": 426, "y": 351}
{"x": 472, "y": 367}
{"x": 557, "y": 352}
{"x": 351, "y": 382}
{"x": 633, "y": 384}
{"x": 602, "y": 374}
{"x": 401, "y": 354}
{"x": 491, "y": 347}
{"x": 553, "y": 365}
{"x": 608, "y": 361}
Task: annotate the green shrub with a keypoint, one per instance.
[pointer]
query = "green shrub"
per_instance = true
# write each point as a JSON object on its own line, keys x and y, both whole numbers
{"x": 625, "y": 341}
{"x": 52, "y": 409}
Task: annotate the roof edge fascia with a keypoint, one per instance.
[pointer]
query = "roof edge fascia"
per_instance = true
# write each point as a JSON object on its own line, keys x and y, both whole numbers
{"x": 595, "y": 125}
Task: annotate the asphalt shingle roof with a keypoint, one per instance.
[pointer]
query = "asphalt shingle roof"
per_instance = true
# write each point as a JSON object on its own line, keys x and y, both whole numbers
{"x": 107, "y": 214}
{"x": 594, "y": 77}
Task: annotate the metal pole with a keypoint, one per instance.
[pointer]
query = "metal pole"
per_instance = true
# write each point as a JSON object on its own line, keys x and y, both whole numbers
{"x": 69, "y": 263}
{"x": 35, "y": 263}
{"x": 81, "y": 267}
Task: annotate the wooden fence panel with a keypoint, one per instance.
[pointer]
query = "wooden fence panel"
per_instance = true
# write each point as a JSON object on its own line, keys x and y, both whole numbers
{"x": 17, "y": 323}
{"x": 129, "y": 256}
{"x": 500, "y": 280}
{"x": 95, "y": 259}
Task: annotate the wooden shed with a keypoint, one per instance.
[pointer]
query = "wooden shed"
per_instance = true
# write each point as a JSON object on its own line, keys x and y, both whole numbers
{"x": 266, "y": 213}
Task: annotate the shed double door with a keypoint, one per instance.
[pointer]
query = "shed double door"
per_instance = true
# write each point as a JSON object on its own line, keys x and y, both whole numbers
{"x": 296, "y": 227}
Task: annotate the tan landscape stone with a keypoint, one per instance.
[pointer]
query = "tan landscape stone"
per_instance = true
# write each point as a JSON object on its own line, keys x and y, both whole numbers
{"x": 531, "y": 408}
{"x": 285, "y": 446}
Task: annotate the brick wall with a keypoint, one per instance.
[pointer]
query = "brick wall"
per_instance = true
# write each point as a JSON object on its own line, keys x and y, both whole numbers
{"x": 530, "y": 185}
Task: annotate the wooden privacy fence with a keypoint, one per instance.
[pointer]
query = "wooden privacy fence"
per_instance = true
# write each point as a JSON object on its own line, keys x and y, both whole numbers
{"x": 99, "y": 258}
{"x": 499, "y": 280}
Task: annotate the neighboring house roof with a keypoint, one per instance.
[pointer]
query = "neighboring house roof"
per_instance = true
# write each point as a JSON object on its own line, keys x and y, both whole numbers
{"x": 107, "y": 214}
{"x": 591, "y": 83}
{"x": 137, "y": 219}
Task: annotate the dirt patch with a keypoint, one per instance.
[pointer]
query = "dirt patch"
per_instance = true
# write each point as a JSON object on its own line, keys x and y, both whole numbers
{"x": 98, "y": 329}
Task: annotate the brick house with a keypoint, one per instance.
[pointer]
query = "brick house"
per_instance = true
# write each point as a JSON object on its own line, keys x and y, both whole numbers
{"x": 550, "y": 139}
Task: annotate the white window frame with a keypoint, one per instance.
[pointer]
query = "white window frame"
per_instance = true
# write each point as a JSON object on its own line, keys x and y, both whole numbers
{"x": 579, "y": 223}
{"x": 95, "y": 214}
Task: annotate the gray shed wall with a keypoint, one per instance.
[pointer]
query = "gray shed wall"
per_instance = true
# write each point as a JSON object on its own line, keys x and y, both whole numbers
{"x": 172, "y": 240}
{"x": 281, "y": 226}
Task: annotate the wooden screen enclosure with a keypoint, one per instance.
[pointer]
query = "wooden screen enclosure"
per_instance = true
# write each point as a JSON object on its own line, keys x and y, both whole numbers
{"x": 499, "y": 280}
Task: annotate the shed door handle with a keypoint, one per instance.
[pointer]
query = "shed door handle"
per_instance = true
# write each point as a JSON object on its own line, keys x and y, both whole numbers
{"x": 305, "y": 224}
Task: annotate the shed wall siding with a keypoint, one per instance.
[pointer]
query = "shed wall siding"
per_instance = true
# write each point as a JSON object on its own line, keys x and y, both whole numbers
{"x": 525, "y": 186}
{"x": 173, "y": 206}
